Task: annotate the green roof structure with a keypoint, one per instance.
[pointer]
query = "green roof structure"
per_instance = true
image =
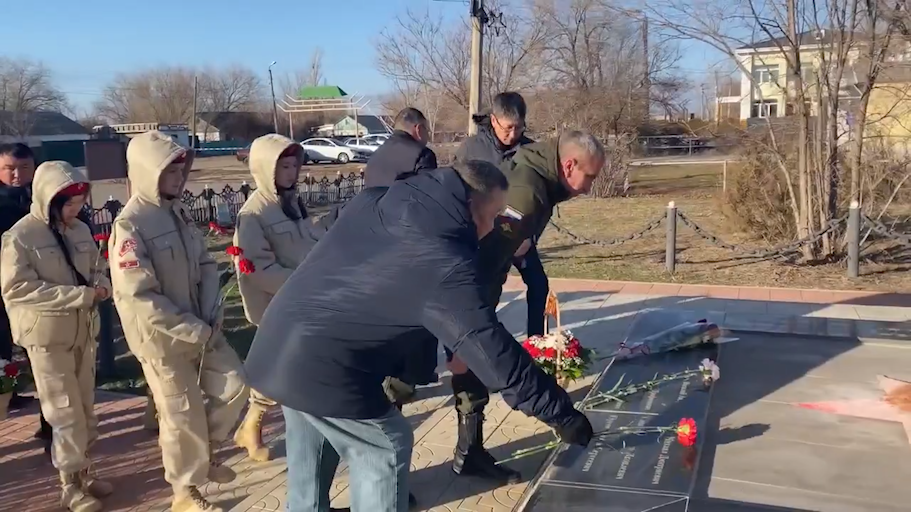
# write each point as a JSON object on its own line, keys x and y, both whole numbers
{"x": 321, "y": 92}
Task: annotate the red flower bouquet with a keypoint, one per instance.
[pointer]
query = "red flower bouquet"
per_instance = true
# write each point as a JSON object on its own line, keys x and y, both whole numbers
{"x": 559, "y": 354}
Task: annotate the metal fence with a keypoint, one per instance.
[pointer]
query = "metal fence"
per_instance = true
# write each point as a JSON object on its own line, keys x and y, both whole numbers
{"x": 203, "y": 207}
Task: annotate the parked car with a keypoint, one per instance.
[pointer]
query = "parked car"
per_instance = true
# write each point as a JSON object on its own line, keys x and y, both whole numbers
{"x": 323, "y": 149}
{"x": 367, "y": 146}
{"x": 243, "y": 154}
{"x": 378, "y": 138}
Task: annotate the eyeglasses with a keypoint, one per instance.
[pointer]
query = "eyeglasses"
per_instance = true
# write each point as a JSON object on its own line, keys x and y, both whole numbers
{"x": 517, "y": 127}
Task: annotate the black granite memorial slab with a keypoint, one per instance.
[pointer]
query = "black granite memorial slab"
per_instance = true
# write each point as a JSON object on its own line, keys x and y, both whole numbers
{"x": 655, "y": 463}
{"x": 643, "y": 369}
{"x": 560, "y": 498}
{"x": 628, "y": 472}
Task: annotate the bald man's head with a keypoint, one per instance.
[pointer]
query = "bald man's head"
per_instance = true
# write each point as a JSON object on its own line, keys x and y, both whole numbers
{"x": 581, "y": 160}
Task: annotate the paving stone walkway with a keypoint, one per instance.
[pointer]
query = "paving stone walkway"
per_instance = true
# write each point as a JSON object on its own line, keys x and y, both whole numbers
{"x": 599, "y": 313}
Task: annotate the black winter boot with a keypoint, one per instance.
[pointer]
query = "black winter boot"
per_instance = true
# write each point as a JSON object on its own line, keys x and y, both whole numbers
{"x": 471, "y": 459}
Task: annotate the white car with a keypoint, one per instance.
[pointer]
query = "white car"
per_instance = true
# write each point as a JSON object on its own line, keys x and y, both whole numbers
{"x": 367, "y": 146}
{"x": 330, "y": 150}
{"x": 378, "y": 138}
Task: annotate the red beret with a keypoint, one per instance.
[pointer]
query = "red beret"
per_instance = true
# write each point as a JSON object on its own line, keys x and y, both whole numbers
{"x": 292, "y": 150}
{"x": 76, "y": 189}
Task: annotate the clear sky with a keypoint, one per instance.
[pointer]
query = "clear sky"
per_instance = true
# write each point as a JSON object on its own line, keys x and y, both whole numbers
{"x": 86, "y": 43}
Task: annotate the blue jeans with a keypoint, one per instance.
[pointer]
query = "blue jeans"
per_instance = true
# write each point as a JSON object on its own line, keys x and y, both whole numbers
{"x": 378, "y": 453}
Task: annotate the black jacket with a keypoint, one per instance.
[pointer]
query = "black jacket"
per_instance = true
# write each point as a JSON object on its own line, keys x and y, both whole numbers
{"x": 399, "y": 155}
{"x": 397, "y": 261}
{"x": 485, "y": 145}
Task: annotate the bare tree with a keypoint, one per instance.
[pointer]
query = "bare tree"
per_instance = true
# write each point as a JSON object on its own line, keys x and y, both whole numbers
{"x": 165, "y": 95}
{"x": 233, "y": 89}
{"x": 607, "y": 64}
{"x": 311, "y": 75}
{"x": 422, "y": 50}
{"x": 824, "y": 44}
{"x": 26, "y": 86}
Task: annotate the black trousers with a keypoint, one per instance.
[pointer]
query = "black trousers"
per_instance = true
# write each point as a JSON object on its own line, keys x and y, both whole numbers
{"x": 470, "y": 393}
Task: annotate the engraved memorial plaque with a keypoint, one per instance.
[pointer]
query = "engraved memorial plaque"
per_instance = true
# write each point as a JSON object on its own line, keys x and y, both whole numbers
{"x": 573, "y": 499}
{"x": 631, "y": 472}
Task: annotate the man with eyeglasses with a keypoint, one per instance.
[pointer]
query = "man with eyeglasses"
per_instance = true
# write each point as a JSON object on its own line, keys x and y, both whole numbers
{"x": 500, "y": 134}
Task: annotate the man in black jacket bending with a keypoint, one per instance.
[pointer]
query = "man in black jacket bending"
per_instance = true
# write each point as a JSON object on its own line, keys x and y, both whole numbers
{"x": 398, "y": 262}
{"x": 405, "y": 152}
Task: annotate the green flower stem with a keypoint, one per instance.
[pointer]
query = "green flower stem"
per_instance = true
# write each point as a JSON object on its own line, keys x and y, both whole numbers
{"x": 618, "y": 393}
{"x": 534, "y": 450}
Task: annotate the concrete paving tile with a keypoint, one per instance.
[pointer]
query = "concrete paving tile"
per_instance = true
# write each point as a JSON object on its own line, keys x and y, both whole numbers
{"x": 724, "y": 292}
{"x": 636, "y": 288}
{"x": 688, "y": 290}
{"x": 829, "y": 358}
{"x": 752, "y": 307}
{"x": 788, "y": 423}
{"x": 789, "y": 308}
{"x": 661, "y": 289}
{"x": 845, "y": 311}
{"x": 817, "y": 469}
{"x": 789, "y": 498}
{"x": 883, "y": 313}
{"x": 763, "y": 294}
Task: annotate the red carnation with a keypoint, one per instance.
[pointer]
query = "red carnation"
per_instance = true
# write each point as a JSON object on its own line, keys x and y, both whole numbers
{"x": 245, "y": 266}
{"x": 550, "y": 353}
{"x": 571, "y": 351}
{"x": 234, "y": 250}
{"x": 686, "y": 432}
{"x": 11, "y": 370}
{"x": 104, "y": 254}
{"x": 102, "y": 237}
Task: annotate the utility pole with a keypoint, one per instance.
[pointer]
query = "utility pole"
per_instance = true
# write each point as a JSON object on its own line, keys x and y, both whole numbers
{"x": 274, "y": 107}
{"x": 478, "y": 19}
{"x": 195, "y": 112}
{"x": 646, "y": 79}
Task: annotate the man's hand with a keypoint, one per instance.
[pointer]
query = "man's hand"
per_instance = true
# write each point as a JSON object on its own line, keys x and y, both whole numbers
{"x": 520, "y": 252}
{"x": 578, "y": 430}
{"x": 101, "y": 294}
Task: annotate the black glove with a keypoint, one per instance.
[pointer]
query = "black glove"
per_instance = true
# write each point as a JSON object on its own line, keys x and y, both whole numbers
{"x": 576, "y": 430}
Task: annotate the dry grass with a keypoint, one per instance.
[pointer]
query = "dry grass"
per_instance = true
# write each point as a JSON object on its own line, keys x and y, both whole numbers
{"x": 698, "y": 262}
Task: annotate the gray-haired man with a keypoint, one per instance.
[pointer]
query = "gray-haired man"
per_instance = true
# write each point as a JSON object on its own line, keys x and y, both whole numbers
{"x": 540, "y": 175}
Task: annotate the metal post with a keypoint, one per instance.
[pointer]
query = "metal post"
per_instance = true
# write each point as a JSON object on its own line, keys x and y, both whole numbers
{"x": 477, "y": 42}
{"x": 670, "y": 251}
{"x": 274, "y": 107}
{"x": 854, "y": 239}
{"x": 195, "y": 112}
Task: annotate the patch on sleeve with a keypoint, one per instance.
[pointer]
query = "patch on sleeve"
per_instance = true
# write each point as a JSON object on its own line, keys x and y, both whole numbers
{"x": 126, "y": 246}
{"x": 509, "y": 219}
{"x": 128, "y": 264}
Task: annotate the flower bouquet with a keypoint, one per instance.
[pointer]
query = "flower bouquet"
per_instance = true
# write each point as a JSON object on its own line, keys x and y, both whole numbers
{"x": 9, "y": 379}
{"x": 682, "y": 336}
{"x": 558, "y": 353}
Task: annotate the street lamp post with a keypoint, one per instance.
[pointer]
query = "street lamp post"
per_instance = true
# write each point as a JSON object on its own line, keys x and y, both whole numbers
{"x": 274, "y": 108}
